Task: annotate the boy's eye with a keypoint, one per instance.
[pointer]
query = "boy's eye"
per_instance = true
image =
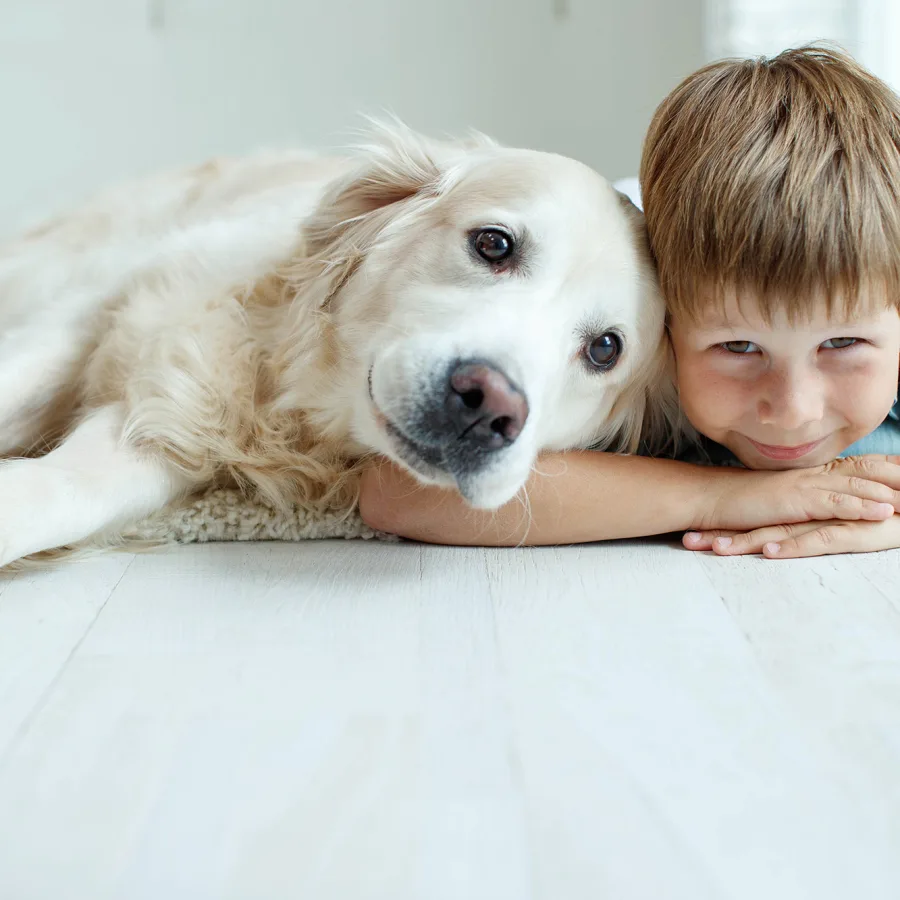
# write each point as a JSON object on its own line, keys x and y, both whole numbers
{"x": 740, "y": 347}
{"x": 839, "y": 343}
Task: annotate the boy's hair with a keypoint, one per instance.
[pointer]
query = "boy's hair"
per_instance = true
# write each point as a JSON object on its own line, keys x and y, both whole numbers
{"x": 779, "y": 176}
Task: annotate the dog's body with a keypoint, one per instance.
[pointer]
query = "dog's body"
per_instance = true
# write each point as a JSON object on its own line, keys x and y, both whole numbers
{"x": 276, "y": 320}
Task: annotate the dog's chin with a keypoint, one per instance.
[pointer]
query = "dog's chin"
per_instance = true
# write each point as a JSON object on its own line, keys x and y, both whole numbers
{"x": 480, "y": 493}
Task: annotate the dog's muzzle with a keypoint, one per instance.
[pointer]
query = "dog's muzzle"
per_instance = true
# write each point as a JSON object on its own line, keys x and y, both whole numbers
{"x": 468, "y": 416}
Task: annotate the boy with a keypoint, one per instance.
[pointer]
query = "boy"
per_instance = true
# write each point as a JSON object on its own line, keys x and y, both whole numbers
{"x": 771, "y": 198}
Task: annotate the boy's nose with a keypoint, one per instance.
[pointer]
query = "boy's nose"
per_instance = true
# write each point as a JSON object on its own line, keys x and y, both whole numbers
{"x": 791, "y": 400}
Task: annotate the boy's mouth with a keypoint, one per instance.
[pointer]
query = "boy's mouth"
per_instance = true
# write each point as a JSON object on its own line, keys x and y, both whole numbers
{"x": 773, "y": 451}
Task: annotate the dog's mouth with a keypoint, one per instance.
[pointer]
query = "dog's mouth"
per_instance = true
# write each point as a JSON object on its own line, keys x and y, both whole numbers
{"x": 424, "y": 460}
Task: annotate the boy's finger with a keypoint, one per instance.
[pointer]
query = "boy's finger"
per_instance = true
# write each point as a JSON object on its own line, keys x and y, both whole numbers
{"x": 754, "y": 541}
{"x": 850, "y": 506}
{"x": 837, "y": 537}
{"x": 821, "y": 541}
{"x": 873, "y": 477}
{"x": 821, "y": 538}
{"x": 703, "y": 540}
{"x": 881, "y": 457}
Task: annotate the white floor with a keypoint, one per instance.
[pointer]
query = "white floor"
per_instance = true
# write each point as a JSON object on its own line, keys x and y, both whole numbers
{"x": 358, "y": 720}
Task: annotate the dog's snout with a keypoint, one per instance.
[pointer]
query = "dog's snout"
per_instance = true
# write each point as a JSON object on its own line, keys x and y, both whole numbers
{"x": 484, "y": 407}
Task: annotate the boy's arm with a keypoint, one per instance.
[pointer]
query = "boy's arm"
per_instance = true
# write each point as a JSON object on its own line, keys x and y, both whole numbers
{"x": 582, "y": 496}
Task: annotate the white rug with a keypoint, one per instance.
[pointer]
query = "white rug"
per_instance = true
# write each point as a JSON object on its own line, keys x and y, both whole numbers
{"x": 226, "y": 515}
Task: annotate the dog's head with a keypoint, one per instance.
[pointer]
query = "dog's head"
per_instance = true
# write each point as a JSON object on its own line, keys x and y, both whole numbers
{"x": 488, "y": 303}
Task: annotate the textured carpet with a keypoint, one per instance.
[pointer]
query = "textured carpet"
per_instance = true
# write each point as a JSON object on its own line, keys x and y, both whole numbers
{"x": 226, "y": 515}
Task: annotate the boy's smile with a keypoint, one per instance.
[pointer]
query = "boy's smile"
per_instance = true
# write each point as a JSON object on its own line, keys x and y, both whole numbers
{"x": 784, "y": 395}
{"x": 785, "y": 454}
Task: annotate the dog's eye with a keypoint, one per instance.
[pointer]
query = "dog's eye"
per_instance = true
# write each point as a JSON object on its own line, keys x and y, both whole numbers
{"x": 493, "y": 245}
{"x": 603, "y": 352}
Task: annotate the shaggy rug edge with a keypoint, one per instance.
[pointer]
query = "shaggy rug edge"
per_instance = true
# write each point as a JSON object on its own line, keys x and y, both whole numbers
{"x": 224, "y": 514}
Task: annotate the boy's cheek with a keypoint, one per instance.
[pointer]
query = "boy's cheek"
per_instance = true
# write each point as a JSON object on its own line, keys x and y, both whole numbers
{"x": 711, "y": 400}
{"x": 865, "y": 399}
{"x": 706, "y": 399}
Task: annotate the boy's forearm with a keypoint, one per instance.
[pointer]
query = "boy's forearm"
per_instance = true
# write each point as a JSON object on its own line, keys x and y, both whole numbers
{"x": 573, "y": 497}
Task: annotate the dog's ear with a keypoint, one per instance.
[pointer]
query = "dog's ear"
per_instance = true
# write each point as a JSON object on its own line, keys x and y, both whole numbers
{"x": 629, "y": 191}
{"x": 396, "y": 168}
{"x": 648, "y": 418}
{"x": 393, "y": 166}
{"x": 627, "y": 204}
{"x": 666, "y": 430}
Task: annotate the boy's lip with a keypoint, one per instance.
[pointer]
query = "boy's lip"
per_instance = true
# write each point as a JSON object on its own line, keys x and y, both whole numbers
{"x": 773, "y": 451}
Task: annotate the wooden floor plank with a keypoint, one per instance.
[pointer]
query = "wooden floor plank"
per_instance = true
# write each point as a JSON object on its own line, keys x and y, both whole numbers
{"x": 826, "y": 632}
{"x": 359, "y": 720}
{"x": 649, "y": 730}
{"x": 44, "y": 614}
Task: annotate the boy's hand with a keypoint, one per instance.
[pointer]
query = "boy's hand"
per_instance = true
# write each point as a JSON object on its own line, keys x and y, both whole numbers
{"x": 865, "y": 488}
{"x": 806, "y": 539}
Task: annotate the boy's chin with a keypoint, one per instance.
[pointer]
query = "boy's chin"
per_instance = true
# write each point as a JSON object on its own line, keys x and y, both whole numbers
{"x": 763, "y": 463}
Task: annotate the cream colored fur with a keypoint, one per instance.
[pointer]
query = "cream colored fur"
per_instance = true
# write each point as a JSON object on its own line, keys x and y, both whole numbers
{"x": 251, "y": 322}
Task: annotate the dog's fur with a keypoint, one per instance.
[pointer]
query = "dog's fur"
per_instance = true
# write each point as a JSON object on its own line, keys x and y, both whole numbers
{"x": 275, "y": 321}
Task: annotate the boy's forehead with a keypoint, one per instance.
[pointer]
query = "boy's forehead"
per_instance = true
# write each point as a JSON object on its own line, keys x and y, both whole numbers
{"x": 735, "y": 307}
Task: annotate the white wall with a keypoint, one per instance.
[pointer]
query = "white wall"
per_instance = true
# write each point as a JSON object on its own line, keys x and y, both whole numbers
{"x": 94, "y": 90}
{"x": 878, "y": 41}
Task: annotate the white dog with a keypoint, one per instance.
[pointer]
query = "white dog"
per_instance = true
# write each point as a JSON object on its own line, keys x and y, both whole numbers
{"x": 274, "y": 321}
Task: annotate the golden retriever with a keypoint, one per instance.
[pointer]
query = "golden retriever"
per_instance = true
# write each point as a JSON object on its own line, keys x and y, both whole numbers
{"x": 275, "y": 321}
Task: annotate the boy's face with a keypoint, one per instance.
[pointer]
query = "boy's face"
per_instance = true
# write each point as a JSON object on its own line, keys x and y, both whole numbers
{"x": 782, "y": 395}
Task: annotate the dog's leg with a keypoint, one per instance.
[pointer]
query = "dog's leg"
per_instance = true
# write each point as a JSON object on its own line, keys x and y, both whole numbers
{"x": 36, "y": 371}
{"x": 92, "y": 481}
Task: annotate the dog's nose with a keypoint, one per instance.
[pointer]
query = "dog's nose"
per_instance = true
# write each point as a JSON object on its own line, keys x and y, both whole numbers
{"x": 484, "y": 407}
